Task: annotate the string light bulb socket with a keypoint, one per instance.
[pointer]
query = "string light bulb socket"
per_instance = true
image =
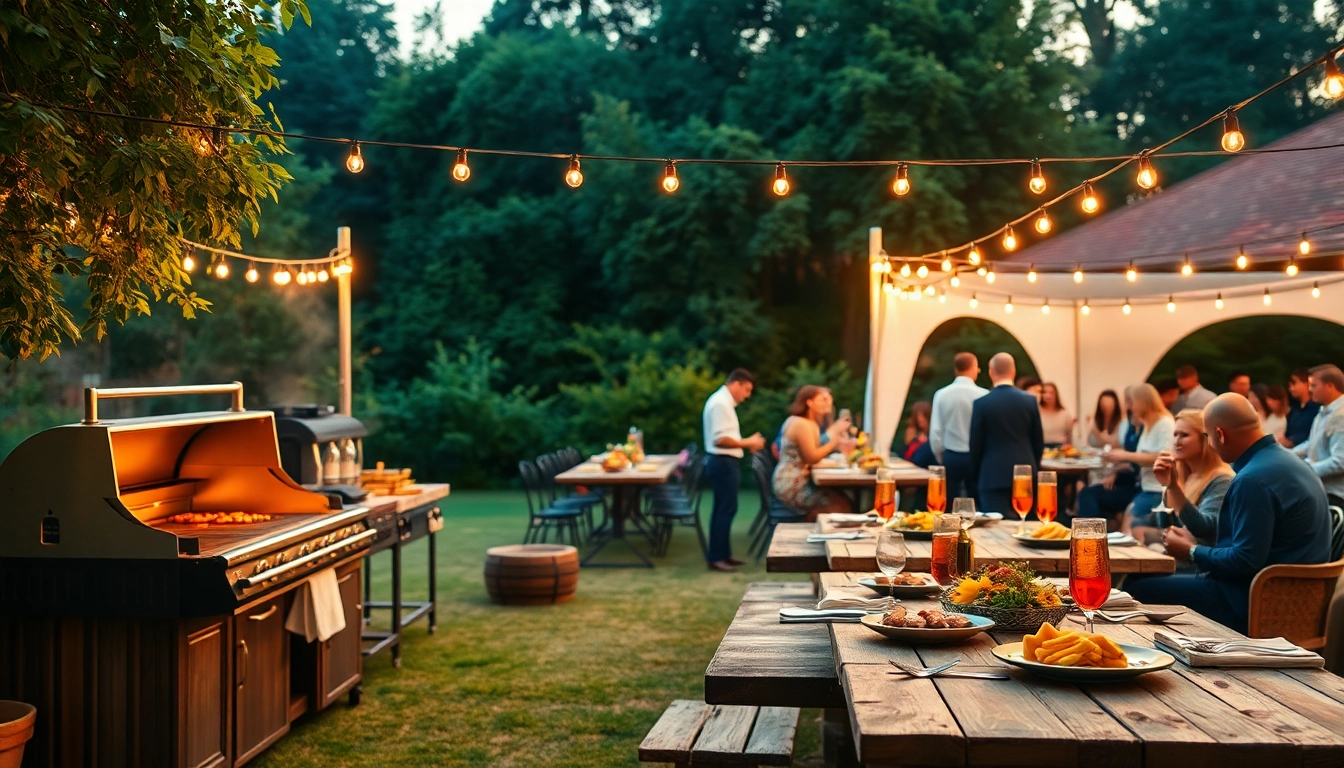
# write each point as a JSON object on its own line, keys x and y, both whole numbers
{"x": 1087, "y": 308}
{"x": 323, "y": 275}
{"x": 973, "y": 256}
{"x": 1218, "y": 302}
{"x": 1090, "y": 203}
{"x": 1267, "y": 298}
{"x": 781, "y": 184}
{"x": 461, "y": 171}
{"x": 974, "y": 301}
{"x": 1126, "y": 308}
{"x": 343, "y": 268}
{"x": 901, "y": 184}
{"x": 1042, "y": 223}
{"x": 942, "y": 297}
{"x": 905, "y": 269}
{"x": 1147, "y": 176}
{"x": 1009, "y": 239}
{"x": 281, "y": 275}
{"x": 1037, "y": 182}
{"x": 1008, "y": 307}
{"x": 955, "y": 281}
{"x": 574, "y": 176}
{"x": 302, "y": 277}
{"x": 1334, "y": 79}
{"x": 251, "y": 275}
{"x": 1171, "y": 303}
{"x": 1315, "y": 290}
{"x": 989, "y": 275}
{"x": 671, "y": 183}
{"x": 1045, "y": 308}
{"x": 947, "y": 264}
{"x": 221, "y": 269}
{"x": 1031, "y": 274}
{"x": 922, "y": 272}
{"x": 188, "y": 262}
{"x": 1243, "y": 261}
{"x": 1233, "y": 140}
{"x": 1304, "y": 245}
{"x": 1187, "y": 269}
{"x": 1131, "y": 274}
{"x": 1291, "y": 269}
{"x": 354, "y": 162}
{"x": 929, "y": 290}
{"x": 1078, "y": 275}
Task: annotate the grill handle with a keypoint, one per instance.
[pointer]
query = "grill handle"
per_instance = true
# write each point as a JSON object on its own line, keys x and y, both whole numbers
{"x": 331, "y": 550}
{"x": 92, "y": 395}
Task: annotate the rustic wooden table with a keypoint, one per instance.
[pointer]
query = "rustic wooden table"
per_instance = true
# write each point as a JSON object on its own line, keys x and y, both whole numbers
{"x": 625, "y": 486}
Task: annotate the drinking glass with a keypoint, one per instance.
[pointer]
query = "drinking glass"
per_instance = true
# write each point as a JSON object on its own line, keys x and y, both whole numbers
{"x": 1162, "y": 514}
{"x": 937, "y": 499}
{"x": 1022, "y": 493}
{"x": 1047, "y": 496}
{"x": 964, "y": 508}
{"x": 890, "y": 553}
{"x": 1089, "y": 565}
{"x": 884, "y": 498}
{"x": 943, "y": 562}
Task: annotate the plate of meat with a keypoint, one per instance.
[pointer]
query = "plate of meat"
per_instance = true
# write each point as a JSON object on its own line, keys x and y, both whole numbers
{"x": 927, "y": 626}
{"x": 902, "y": 585}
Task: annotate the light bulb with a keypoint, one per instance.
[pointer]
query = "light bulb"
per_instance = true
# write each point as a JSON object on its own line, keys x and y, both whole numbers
{"x": 1267, "y": 298}
{"x": 1042, "y": 223}
{"x": 1218, "y": 302}
{"x": 1147, "y": 177}
{"x": 877, "y": 267}
{"x": 982, "y": 271}
{"x": 947, "y": 264}
{"x": 1091, "y": 203}
{"x": 322, "y": 275}
{"x": 574, "y": 177}
{"x": 222, "y": 269}
{"x": 1045, "y": 308}
{"x": 1187, "y": 269}
{"x": 922, "y": 272}
{"x": 903, "y": 295}
{"x": 1131, "y": 274}
{"x": 1232, "y": 141}
{"x": 188, "y": 262}
{"x": 1009, "y": 240}
{"x": 901, "y": 185}
{"x": 670, "y": 181}
{"x": 302, "y": 277}
{"x": 1243, "y": 261}
{"x": 1334, "y": 80}
{"x": 1304, "y": 245}
{"x": 781, "y": 185}
{"x": 956, "y": 281}
{"x": 355, "y": 162}
{"x": 343, "y": 268}
{"x": 252, "y": 275}
{"x": 889, "y": 287}
{"x": 1031, "y": 274}
{"x": 1171, "y": 304}
{"x": 916, "y": 294}
{"x": 1008, "y": 307}
{"x": 1291, "y": 269}
{"x": 974, "y": 301}
{"x": 281, "y": 276}
{"x": 973, "y": 256}
{"x": 942, "y": 297}
{"x": 989, "y": 277}
{"x": 1087, "y": 309}
{"x": 1126, "y": 308}
{"x": 1037, "y": 182}
{"x": 1315, "y": 290}
{"x": 1078, "y": 275}
{"x": 461, "y": 171}
{"x": 929, "y": 290}
{"x": 905, "y": 269}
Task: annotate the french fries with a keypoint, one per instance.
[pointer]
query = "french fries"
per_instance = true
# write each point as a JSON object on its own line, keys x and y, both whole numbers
{"x": 917, "y": 521}
{"x": 1051, "y": 530}
{"x": 1070, "y": 648}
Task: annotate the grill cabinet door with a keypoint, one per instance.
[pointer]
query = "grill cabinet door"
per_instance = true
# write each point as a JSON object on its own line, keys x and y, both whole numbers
{"x": 341, "y": 662}
{"x": 261, "y": 678}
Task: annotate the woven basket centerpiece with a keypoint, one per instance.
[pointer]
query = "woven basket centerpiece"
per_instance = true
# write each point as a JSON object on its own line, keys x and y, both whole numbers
{"x": 1007, "y": 619}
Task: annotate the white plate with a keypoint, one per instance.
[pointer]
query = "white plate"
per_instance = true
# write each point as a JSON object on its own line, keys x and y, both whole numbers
{"x": 1026, "y": 538}
{"x": 985, "y": 518}
{"x": 1141, "y": 661}
{"x": 979, "y": 624}
{"x": 902, "y": 590}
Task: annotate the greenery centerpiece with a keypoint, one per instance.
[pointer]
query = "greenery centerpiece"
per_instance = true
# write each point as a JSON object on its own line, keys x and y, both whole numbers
{"x": 1009, "y": 593}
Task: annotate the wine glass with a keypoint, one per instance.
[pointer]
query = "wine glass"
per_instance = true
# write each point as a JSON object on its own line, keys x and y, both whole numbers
{"x": 884, "y": 496}
{"x": 1022, "y": 495}
{"x": 1047, "y": 496}
{"x": 890, "y": 553}
{"x": 1089, "y": 565}
{"x": 937, "y": 496}
{"x": 964, "y": 508}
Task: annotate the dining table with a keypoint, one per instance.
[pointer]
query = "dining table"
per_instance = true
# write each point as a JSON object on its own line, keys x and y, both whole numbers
{"x": 1180, "y": 717}
{"x": 626, "y": 485}
{"x": 858, "y": 483}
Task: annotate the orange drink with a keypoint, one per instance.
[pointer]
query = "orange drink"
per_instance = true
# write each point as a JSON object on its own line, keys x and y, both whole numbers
{"x": 884, "y": 497}
{"x": 937, "y": 496}
{"x": 943, "y": 564}
{"x": 1089, "y": 565}
{"x": 1047, "y": 497}
{"x": 1022, "y": 492}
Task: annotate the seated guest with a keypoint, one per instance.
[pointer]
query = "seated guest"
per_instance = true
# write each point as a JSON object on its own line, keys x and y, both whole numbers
{"x": 1302, "y": 409}
{"x": 1106, "y": 421}
{"x": 801, "y": 447}
{"x": 1158, "y": 427}
{"x": 1005, "y": 432}
{"x": 1056, "y": 423}
{"x": 1170, "y": 392}
{"x": 916, "y": 429}
{"x": 1276, "y": 413}
{"x": 1257, "y": 404}
{"x": 1193, "y": 394}
{"x": 1196, "y": 477}
{"x": 1111, "y": 495}
{"x": 1240, "y": 382}
{"x": 1274, "y": 512}
{"x": 1324, "y": 449}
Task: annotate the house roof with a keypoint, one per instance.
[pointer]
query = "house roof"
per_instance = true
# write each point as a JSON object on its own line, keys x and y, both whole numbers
{"x": 1253, "y": 197}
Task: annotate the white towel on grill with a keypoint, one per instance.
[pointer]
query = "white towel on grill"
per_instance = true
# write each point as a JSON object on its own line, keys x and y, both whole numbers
{"x": 317, "y": 613}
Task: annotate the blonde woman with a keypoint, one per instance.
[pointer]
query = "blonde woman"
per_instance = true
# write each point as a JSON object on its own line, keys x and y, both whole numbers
{"x": 1158, "y": 430}
{"x": 1196, "y": 479}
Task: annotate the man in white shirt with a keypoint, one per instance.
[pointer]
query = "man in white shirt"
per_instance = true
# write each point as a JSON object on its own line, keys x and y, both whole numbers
{"x": 1193, "y": 394}
{"x": 1324, "y": 450}
{"x": 723, "y": 463}
{"x": 950, "y": 424}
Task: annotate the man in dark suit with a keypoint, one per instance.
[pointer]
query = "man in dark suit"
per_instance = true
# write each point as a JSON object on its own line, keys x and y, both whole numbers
{"x": 1005, "y": 431}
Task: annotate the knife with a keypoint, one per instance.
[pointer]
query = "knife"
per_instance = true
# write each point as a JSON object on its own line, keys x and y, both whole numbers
{"x": 831, "y": 614}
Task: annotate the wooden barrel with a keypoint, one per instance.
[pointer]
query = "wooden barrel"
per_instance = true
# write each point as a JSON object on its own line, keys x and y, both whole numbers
{"x": 531, "y": 574}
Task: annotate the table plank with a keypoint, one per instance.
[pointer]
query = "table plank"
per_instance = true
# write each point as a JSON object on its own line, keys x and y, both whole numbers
{"x": 857, "y": 478}
{"x": 425, "y": 493}
{"x": 724, "y": 734}
{"x": 663, "y": 467}
{"x": 914, "y": 728}
{"x": 672, "y": 737}
{"x": 790, "y": 553}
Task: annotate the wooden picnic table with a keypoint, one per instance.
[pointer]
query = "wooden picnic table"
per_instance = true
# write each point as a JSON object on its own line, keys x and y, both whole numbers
{"x": 625, "y": 485}
{"x": 993, "y": 543}
{"x": 906, "y": 474}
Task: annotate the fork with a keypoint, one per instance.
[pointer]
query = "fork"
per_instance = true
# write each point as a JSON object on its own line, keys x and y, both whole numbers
{"x": 923, "y": 671}
{"x": 1208, "y": 647}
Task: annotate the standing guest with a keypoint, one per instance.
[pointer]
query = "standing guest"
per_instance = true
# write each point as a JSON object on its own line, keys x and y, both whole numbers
{"x": 1106, "y": 421}
{"x": 1239, "y": 382}
{"x": 1158, "y": 428}
{"x": 1056, "y": 423}
{"x": 950, "y": 424}
{"x": 1005, "y": 431}
{"x": 1257, "y": 404}
{"x": 1274, "y": 512}
{"x": 1170, "y": 392}
{"x": 1112, "y": 495}
{"x": 916, "y": 429}
{"x": 1193, "y": 394}
{"x": 1324, "y": 449}
{"x": 1195, "y": 476}
{"x": 802, "y": 447}
{"x": 1302, "y": 409}
{"x": 1276, "y": 413}
{"x": 723, "y": 464}
{"x": 1031, "y": 385}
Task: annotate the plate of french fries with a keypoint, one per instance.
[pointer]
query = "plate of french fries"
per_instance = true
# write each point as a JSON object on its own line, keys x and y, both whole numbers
{"x": 1080, "y": 657}
{"x": 1051, "y": 535}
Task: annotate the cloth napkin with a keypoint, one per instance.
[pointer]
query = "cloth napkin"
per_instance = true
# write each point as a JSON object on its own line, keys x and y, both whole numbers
{"x": 1118, "y": 539}
{"x": 1252, "y": 654}
{"x": 817, "y": 538}
{"x": 846, "y": 517}
{"x": 1118, "y": 599}
{"x": 836, "y": 598}
{"x": 809, "y": 616}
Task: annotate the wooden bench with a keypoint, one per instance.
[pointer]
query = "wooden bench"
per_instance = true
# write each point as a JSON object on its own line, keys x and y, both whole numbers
{"x": 696, "y": 733}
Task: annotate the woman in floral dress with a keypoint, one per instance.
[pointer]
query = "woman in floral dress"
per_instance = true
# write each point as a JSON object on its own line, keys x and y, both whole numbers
{"x": 801, "y": 448}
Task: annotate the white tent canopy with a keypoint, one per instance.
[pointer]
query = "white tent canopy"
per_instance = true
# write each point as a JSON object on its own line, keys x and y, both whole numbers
{"x": 1083, "y": 354}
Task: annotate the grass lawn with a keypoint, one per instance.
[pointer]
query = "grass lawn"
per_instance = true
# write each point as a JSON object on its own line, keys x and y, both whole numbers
{"x": 577, "y": 684}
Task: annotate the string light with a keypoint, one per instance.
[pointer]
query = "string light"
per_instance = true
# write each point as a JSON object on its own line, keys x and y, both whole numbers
{"x": 982, "y": 271}
{"x": 890, "y": 287}
{"x": 901, "y": 185}
{"x": 1147, "y": 177}
{"x": 878, "y": 266}
{"x": 1131, "y": 274}
{"x": 461, "y": 171}
{"x": 989, "y": 275}
{"x": 1171, "y": 303}
{"x": 222, "y": 268}
{"x": 974, "y": 301}
{"x": 1233, "y": 140}
{"x": 1037, "y": 183}
{"x": 1304, "y": 245}
{"x": 1315, "y": 290}
{"x": 1126, "y": 308}
{"x": 1087, "y": 308}
{"x": 302, "y": 277}
{"x": 1187, "y": 269}
{"x": 942, "y": 297}
{"x": 916, "y": 294}
{"x": 956, "y": 281}
{"x": 1291, "y": 269}
{"x": 973, "y": 256}
{"x": 922, "y": 272}
{"x": 1078, "y": 275}
{"x": 355, "y": 162}
{"x": 1334, "y": 80}
{"x": 1009, "y": 306}
{"x": 1031, "y": 274}
{"x": 1268, "y": 300}
{"x": 929, "y": 290}
{"x": 252, "y": 275}
{"x": 343, "y": 268}
{"x": 905, "y": 269}
{"x": 1218, "y": 302}
{"x": 1243, "y": 261}
{"x": 670, "y": 181}
{"x": 574, "y": 176}
{"x": 947, "y": 264}
{"x": 281, "y": 276}
{"x": 188, "y": 262}
{"x": 1009, "y": 239}
{"x": 1091, "y": 203}
{"x": 322, "y": 275}
{"x": 1042, "y": 223}
{"x": 1045, "y": 308}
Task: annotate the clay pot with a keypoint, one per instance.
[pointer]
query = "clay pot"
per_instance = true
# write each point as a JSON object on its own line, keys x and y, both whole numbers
{"x": 16, "y": 728}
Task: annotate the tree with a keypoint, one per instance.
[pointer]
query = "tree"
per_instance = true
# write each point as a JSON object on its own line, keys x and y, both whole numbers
{"x": 105, "y": 198}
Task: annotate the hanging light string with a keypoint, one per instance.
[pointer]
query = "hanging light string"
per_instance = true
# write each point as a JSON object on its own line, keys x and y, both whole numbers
{"x": 336, "y": 263}
{"x": 1312, "y": 286}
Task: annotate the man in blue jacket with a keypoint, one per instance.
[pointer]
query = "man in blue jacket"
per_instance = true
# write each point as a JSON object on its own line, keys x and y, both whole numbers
{"x": 1274, "y": 512}
{"x": 1005, "y": 431}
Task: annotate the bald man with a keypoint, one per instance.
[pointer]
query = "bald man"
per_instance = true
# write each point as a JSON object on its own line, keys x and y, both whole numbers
{"x": 1005, "y": 432}
{"x": 1274, "y": 512}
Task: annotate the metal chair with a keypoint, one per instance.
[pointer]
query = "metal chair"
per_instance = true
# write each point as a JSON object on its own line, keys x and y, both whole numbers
{"x": 763, "y": 513}
{"x": 668, "y": 513}
{"x": 542, "y": 518}
{"x": 774, "y": 510}
{"x": 560, "y": 497}
{"x": 1293, "y": 601}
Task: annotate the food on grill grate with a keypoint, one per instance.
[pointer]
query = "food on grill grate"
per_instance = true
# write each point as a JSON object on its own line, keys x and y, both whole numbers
{"x": 219, "y": 518}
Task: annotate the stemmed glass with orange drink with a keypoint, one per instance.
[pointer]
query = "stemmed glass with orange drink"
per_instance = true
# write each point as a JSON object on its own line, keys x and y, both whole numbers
{"x": 884, "y": 498}
{"x": 937, "y": 496}
{"x": 1047, "y": 496}
{"x": 1089, "y": 565}
{"x": 1022, "y": 493}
